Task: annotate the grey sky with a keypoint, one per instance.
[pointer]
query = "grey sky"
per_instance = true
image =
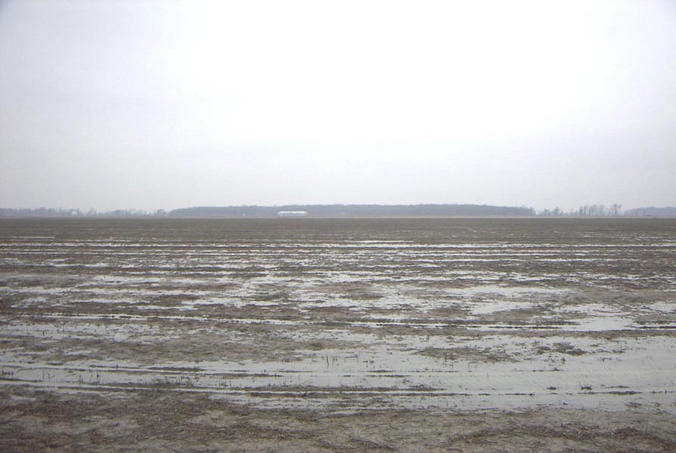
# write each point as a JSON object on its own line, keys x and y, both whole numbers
{"x": 158, "y": 104}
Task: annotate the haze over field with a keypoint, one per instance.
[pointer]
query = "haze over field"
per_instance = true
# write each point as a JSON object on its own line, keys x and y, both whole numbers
{"x": 166, "y": 104}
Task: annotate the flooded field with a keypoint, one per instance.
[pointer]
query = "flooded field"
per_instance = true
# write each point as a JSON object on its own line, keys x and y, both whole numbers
{"x": 342, "y": 318}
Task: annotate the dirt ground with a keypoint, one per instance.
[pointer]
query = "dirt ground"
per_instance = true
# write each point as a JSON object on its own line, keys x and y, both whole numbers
{"x": 167, "y": 421}
{"x": 337, "y": 335}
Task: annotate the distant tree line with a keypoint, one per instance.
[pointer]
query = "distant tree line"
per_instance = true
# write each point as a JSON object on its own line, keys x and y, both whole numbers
{"x": 52, "y": 212}
{"x": 614, "y": 210}
{"x": 594, "y": 210}
{"x": 39, "y": 212}
{"x": 651, "y": 211}
{"x": 333, "y": 210}
{"x": 357, "y": 210}
{"x": 342, "y": 210}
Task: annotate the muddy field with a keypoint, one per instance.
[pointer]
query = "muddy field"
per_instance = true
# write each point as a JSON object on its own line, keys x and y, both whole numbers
{"x": 338, "y": 334}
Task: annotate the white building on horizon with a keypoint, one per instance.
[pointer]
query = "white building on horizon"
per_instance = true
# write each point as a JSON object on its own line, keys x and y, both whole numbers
{"x": 292, "y": 213}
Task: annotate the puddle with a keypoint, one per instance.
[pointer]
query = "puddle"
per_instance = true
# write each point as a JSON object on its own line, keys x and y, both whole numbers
{"x": 435, "y": 318}
{"x": 485, "y": 308}
{"x": 662, "y": 306}
{"x": 642, "y": 373}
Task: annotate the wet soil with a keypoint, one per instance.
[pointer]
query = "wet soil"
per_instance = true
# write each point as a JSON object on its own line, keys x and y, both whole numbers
{"x": 338, "y": 334}
{"x": 161, "y": 421}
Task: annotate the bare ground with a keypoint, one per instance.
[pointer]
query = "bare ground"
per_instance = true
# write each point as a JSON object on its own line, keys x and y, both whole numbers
{"x": 338, "y": 335}
{"x": 167, "y": 421}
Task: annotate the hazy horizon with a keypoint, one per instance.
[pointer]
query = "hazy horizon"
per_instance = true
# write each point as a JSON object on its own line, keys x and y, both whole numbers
{"x": 169, "y": 104}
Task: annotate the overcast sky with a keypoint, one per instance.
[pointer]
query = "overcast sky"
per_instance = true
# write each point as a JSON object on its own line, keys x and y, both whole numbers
{"x": 160, "y": 104}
